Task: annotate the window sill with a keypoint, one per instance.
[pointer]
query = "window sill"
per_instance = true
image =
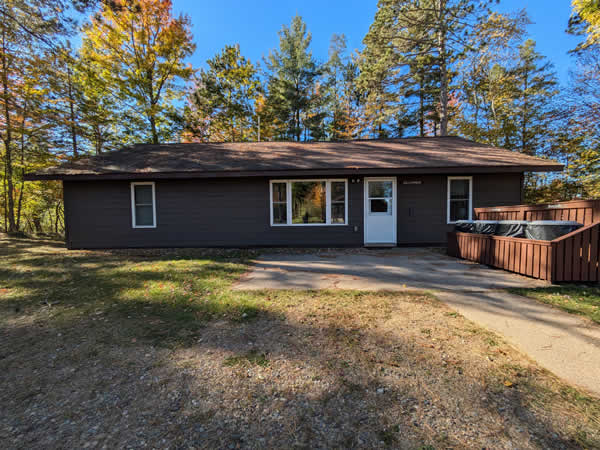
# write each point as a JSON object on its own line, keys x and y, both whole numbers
{"x": 309, "y": 225}
{"x": 144, "y": 226}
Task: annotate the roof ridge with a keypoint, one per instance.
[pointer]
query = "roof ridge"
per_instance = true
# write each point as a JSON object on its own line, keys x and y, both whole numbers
{"x": 338, "y": 141}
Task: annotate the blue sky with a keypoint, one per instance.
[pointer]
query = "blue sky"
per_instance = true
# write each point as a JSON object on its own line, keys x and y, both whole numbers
{"x": 254, "y": 25}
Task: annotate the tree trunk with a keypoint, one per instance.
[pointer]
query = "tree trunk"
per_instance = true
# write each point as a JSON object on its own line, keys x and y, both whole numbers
{"x": 56, "y": 218}
{"x": 98, "y": 142}
{"x": 22, "y": 187}
{"x": 152, "y": 120}
{"x": 524, "y": 114}
{"x": 8, "y": 139}
{"x": 421, "y": 112}
{"x": 37, "y": 223}
{"x": 5, "y": 204}
{"x": 72, "y": 110}
{"x": 443, "y": 70}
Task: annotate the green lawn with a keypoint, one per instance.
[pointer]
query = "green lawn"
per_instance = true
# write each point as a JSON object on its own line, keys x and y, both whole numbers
{"x": 583, "y": 300}
{"x": 153, "y": 349}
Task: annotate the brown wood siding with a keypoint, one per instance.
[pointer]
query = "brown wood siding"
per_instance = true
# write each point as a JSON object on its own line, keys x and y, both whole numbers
{"x": 192, "y": 213}
{"x": 235, "y": 213}
{"x": 422, "y": 215}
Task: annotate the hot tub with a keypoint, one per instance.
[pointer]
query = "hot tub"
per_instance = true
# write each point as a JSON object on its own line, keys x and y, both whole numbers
{"x": 548, "y": 230}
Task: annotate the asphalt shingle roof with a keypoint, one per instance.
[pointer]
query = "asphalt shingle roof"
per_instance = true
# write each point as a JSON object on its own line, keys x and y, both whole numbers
{"x": 405, "y": 155}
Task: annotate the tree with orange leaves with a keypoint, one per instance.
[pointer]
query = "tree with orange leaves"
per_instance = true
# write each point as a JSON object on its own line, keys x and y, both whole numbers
{"x": 142, "y": 48}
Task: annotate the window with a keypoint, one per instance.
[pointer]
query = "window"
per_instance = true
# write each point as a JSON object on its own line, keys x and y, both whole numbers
{"x": 460, "y": 198}
{"x": 279, "y": 198}
{"x": 309, "y": 202}
{"x": 381, "y": 195}
{"x": 338, "y": 202}
{"x": 143, "y": 205}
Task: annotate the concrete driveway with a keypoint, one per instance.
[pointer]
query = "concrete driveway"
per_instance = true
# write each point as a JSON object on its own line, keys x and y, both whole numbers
{"x": 381, "y": 269}
{"x": 565, "y": 344}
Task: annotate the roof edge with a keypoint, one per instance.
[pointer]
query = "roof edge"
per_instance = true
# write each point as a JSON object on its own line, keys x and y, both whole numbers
{"x": 296, "y": 172}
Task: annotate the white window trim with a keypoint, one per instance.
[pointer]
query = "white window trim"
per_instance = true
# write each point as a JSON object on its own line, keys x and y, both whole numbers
{"x": 143, "y": 183}
{"x": 288, "y": 195}
{"x": 470, "y": 178}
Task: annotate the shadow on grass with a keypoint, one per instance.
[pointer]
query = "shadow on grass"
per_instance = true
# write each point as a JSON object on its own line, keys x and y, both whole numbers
{"x": 228, "y": 383}
{"x": 582, "y": 299}
{"x": 158, "y": 351}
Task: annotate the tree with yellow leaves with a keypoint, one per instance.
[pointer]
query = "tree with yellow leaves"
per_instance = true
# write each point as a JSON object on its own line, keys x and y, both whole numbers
{"x": 142, "y": 48}
{"x": 585, "y": 19}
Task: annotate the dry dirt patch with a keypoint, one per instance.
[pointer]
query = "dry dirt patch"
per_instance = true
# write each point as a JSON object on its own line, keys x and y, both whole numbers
{"x": 105, "y": 351}
{"x": 313, "y": 370}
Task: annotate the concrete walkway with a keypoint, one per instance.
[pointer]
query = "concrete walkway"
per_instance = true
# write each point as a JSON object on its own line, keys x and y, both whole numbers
{"x": 565, "y": 344}
{"x": 381, "y": 269}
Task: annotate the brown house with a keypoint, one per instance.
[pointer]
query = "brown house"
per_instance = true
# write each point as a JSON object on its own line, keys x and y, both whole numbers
{"x": 366, "y": 192}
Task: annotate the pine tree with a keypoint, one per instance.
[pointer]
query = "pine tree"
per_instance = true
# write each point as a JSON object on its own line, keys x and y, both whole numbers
{"x": 224, "y": 98}
{"x": 581, "y": 102}
{"x": 537, "y": 85}
{"x": 344, "y": 99}
{"x": 410, "y": 39}
{"x": 292, "y": 79}
{"x": 488, "y": 85}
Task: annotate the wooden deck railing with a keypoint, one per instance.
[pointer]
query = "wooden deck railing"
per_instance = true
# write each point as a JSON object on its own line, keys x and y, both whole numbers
{"x": 583, "y": 211}
{"x": 573, "y": 257}
{"x": 577, "y": 255}
{"x": 524, "y": 256}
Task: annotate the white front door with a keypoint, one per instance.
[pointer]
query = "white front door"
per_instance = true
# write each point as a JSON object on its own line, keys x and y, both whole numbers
{"x": 380, "y": 211}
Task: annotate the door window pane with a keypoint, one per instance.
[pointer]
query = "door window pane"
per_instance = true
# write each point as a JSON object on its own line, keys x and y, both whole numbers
{"x": 380, "y": 188}
{"x": 380, "y": 206}
{"x": 309, "y": 202}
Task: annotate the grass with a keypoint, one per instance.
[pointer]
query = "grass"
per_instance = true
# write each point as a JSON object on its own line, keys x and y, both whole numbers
{"x": 582, "y": 300}
{"x": 157, "y": 346}
{"x": 175, "y": 294}
{"x": 253, "y": 358}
